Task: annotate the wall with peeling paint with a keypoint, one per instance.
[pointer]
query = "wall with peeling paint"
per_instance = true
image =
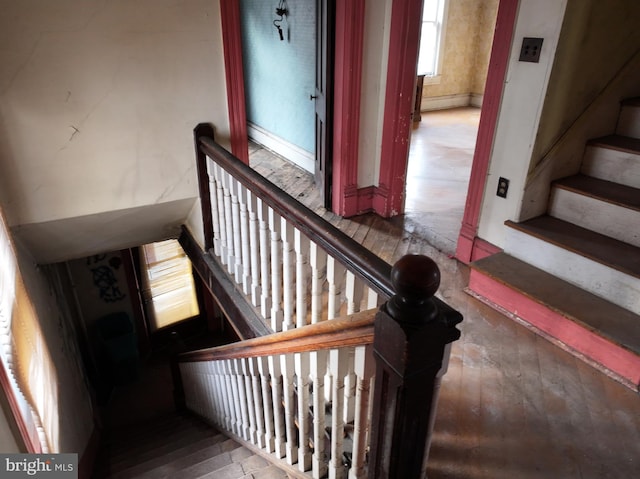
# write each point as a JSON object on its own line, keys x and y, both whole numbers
{"x": 98, "y": 100}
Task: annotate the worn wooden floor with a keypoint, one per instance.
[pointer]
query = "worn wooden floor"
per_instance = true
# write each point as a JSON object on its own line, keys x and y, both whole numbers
{"x": 512, "y": 405}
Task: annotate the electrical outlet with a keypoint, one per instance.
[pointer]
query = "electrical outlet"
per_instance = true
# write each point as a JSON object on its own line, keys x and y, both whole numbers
{"x": 530, "y": 51}
{"x": 503, "y": 187}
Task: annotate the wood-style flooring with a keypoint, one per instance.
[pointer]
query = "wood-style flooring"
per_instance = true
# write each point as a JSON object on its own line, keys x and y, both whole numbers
{"x": 512, "y": 405}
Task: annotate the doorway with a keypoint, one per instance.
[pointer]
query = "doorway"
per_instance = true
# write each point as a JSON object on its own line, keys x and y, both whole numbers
{"x": 443, "y": 136}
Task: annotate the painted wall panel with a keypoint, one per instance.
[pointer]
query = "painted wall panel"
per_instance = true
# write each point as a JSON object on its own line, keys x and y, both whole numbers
{"x": 280, "y": 75}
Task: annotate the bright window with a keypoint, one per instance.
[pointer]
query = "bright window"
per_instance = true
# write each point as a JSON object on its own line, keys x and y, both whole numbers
{"x": 168, "y": 286}
{"x": 431, "y": 38}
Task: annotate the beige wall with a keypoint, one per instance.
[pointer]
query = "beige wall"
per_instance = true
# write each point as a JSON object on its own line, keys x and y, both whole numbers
{"x": 468, "y": 36}
{"x": 98, "y": 101}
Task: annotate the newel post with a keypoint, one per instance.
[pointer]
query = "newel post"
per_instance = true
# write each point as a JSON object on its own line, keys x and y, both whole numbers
{"x": 204, "y": 130}
{"x": 412, "y": 337}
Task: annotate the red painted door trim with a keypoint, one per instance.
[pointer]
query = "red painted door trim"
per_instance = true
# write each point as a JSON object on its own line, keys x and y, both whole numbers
{"x": 401, "y": 78}
{"x": 467, "y": 249}
{"x": 234, "y": 73}
{"x": 346, "y": 122}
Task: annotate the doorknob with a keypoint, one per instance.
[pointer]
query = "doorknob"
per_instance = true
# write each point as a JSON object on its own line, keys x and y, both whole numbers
{"x": 312, "y": 97}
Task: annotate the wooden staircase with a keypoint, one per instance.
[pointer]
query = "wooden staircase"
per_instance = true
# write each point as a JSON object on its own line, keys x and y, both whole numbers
{"x": 574, "y": 273}
{"x": 180, "y": 445}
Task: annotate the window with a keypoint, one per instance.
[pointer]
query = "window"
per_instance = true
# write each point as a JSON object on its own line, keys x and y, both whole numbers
{"x": 431, "y": 38}
{"x": 168, "y": 286}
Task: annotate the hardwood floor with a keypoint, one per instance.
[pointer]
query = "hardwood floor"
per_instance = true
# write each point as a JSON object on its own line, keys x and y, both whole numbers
{"x": 512, "y": 405}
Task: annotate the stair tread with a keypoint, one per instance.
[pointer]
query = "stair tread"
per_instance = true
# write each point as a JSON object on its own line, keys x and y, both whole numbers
{"x": 617, "y": 142}
{"x": 610, "y": 321}
{"x": 595, "y": 246}
{"x": 625, "y": 196}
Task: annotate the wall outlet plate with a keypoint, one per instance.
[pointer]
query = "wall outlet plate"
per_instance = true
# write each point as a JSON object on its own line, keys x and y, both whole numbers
{"x": 530, "y": 51}
{"x": 503, "y": 187}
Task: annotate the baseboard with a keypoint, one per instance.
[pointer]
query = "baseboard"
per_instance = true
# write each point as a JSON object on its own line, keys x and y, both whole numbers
{"x": 282, "y": 147}
{"x": 446, "y": 102}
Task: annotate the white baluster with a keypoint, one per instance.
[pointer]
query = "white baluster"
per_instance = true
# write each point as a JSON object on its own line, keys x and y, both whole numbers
{"x": 338, "y": 367}
{"x": 265, "y": 259}
{"x": 244, "y": 239}
{"x": 287, "y": 274}
{"x": 335, "y": 277}
{"x": 354, "y": 290}
{"x": 243, "y": 394}
{"x": 372, "y": 299}
{"x": 276, "y": 401}
{"x": 254, "y": 247}
{"x": 236, "y": 411}
{"x": 236, "y": 270}
{"x": 302, "y": 265}
{"x": 287, "y": 365}
{"x": 276, "y": 271}
{"x": 222, "y": 222}
{"x": 267, "y": 403}
{"x": 213, "y": 199}
{"x": 302, "y": 377}
{"x": 318, "y": 261}
{"x": 349, "y": 388}
{"x": 364, "y": 367}
{"x": 318, "y": 370}
{"x": 227, "y": 180}
{"x": 257, "y": 402}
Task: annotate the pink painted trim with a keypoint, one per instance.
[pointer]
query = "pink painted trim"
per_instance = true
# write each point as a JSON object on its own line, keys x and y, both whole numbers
{"x": 401, "y": 78}
{"x": 347, "y": 92}
{"x": 505, "y": 24}
{"x": 474, "y": 248}
{"x": 604, "y": 352}
{"x": 232, "y": 44}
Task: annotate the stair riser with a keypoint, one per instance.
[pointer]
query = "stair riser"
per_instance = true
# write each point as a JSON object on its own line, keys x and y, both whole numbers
{"x": 600, "y": 280}
{"x": 596, "y": 215}
{"x": 551, "y": 324}
{"x": 629, "y": 121}
{"x": 612, "y": 165}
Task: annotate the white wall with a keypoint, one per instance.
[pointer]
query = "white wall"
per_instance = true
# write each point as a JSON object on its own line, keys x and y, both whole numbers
{"x": 7, "y": 441}
{"x": 522, "y": 101}
{"x": 374, "y": 86}
{"x": 98, "y": 101}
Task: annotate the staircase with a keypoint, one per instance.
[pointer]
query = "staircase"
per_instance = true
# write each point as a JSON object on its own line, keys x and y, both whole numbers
{"x": 180, "y": 445}
{"x": 574, "y": 273}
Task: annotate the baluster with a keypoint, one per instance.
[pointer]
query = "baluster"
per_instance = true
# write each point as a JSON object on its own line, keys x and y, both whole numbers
{"x": 267, "y": 404}
{"x": 235, "y": 261}
{"x": 364, "y": 368}
{"x": 286, "y": 363}
{"x": 265, "y": 260}
{"x": 235, "y": 398}
{"x": 254, "y": 247}
{"x": 335, "y": 277}
{"x": 338, "y": 367}
{"x": 302, "y": 264}
{"x": 213, "y": 199}
{"x": 372, "y": 299}
{"x": 258, "y": 413}
{"x": 228, "y": 219}
{"x": 349, "y": 388}
{"x": 276, "y": 271}
{"x": 243, "y": 395}
{"x": 302, "y": 376}
{"x": 218, "y": 382}
{"x": 210, "y": 403}
{"x": 318, "y": 260}
{"x": 245, "y": 261}
{"x": 276, "y": 400}
{"x": 287, "y": 274}
{"x": 354, "y": 290}
{"x": 318, "y": 369}
{"x": 222, "y": 222}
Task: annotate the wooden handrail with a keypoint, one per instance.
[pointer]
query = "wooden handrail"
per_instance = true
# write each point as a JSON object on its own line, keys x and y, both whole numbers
{"x": 369, "y": 267}
{"x": 353, "y": 330}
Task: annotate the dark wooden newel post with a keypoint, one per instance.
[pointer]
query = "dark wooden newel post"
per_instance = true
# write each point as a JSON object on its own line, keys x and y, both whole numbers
{"x": 412, "y": 331}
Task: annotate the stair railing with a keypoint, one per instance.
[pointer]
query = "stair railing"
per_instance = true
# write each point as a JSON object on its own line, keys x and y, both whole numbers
{"x": 278, "y": 395}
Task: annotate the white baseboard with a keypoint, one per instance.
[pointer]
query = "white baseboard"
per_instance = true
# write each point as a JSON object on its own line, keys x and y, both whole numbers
{"x": 445, "y": 102}
{"x": 476, "y": 100}
{"x": 282, "y": 147}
